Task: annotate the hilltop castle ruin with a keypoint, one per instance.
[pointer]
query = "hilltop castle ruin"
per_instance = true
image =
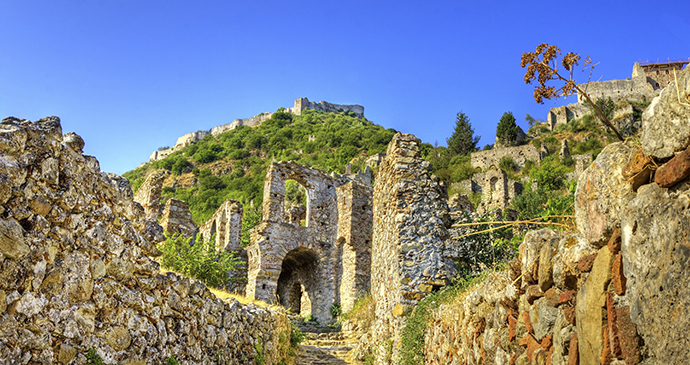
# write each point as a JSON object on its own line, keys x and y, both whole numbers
{"x": 300, "y": 105}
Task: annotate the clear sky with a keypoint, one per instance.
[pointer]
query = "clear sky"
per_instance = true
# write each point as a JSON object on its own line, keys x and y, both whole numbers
{"x": 131, "y": 76}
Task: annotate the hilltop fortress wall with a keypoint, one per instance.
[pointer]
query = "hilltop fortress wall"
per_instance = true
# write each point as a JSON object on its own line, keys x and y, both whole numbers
{"x": 300, "y": 105}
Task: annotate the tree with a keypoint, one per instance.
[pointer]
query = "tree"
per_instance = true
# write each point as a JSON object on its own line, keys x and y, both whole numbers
{"x": 462, "y": 141}
{"x": 506, "y": 131}
{"x": 530, "y": 120}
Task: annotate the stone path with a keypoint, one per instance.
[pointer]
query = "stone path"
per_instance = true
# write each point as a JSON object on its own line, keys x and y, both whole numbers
{"x": 325, "y": 346}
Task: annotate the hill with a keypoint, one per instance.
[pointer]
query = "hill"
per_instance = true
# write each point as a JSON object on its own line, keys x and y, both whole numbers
{"x": 232, "y": 165}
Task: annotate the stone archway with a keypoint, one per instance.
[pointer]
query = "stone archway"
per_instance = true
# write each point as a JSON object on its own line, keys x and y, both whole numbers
{"x": 298, "y": 283}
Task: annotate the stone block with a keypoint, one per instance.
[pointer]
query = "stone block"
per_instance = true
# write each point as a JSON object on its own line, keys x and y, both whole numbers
{"x": 567, "y": 297}
{"x": 627, "y": 334}
{"x": 512, "y": 326}
{"x": 545, "y": 266}
{"x": 618, "y": 276}
{"x": 615, "y": 242}
{"x": 12, "y": 242}
{"x": 638, "y": 171}
{"x": 674, "y": 171}
{"x": 552, "y": 297}
{"x": 602, "y": 194}
{"x": 590, "y": 303}
{"x": 585, "y": 264}
{"x": 612, "y": 331}
{"x": 666, "y": 128}
{"x": 528, "y": 322}
{"x": 573, "y": 353}
{"x": 533, "y": 293}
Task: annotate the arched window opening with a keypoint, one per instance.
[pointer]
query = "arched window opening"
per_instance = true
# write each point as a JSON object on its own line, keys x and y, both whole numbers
{"x": 296, "y": 203}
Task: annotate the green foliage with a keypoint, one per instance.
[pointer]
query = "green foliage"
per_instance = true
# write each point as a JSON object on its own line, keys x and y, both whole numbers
{"x": 412, "y": 337}
{"x": 259, "y": 347}
{"x": 507, "y": 164}
{"x": 336, "y": 310}
{"x": 171, "y": 360}
{"x": 296, "y": 337}
{"x": 550, "y": 174}
{"x": 181, "y": 166}
{"x": 92, "y": 358}
{"x": 251, "y": 217}
{"x": 506, "y": 131}
{"x": 295, "y": 193}
{"x": 200, "y": 260}
{"x": 487, "y": 147}
{"x": 529, "y": 165}
{"x": 480, "y": 247}
{"x": 530, "y": 120}
{"x": 591, "y": 145}
{"x": 607, "y": 106}
{"x": 462, "y": 141}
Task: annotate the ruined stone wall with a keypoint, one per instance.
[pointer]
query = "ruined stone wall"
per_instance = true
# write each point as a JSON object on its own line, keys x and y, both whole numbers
{"x": 274, "y": 240}
{"x": 177, "y": 219}
{"x": 614, "y": 292}
{"x": 410, "y": 217}
{"x": 149, "y": 193}
{"x": 304, "y": 103}
{"x": 76, "y": 272}
{"x": 490, "y": 159}
{"x": 635, "y": 89}
{"x": 564, "y": 114}
{"x": 226, "y": 224}
{"x": 353, "y": 246}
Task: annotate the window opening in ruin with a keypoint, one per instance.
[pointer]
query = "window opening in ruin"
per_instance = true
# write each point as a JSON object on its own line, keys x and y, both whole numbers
{"x": 297, "y": 282}
{"x": 296, "y": 203}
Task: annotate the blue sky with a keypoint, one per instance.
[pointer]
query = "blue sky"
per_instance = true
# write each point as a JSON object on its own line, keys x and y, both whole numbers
{"x": 130, "y": 76}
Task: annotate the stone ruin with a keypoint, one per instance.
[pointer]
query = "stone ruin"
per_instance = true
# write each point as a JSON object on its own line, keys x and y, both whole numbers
{"x": 520, "y": 154}
{"x": 409, "y": 259}
{"x": 77, "y": 269}
{"x": 309, "y": 268}
{"x": 149, "y": 193}
{"x": 177, "y": 219}
{"x": 299, "y": 105}
{"x": 226, "y": 224}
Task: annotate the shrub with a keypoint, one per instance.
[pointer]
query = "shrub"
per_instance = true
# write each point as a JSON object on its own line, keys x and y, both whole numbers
{"x": 507, "y": 164}
{"x": 550, "y": 174}
{"x": 200, "y": 260}
{"x": 336, "y": 310}
{"x": 92, "y": 358}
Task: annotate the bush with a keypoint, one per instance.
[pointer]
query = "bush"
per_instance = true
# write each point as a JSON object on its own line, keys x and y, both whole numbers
{"x": 336, "y": 310}
{"x": 507, "y": 164}
{"x": 200, "y": 260}
{"x": 550, "y": 174}
{"x": 92, "y": 358}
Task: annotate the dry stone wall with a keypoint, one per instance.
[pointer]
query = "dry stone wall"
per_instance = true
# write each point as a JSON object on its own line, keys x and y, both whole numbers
{"x": 615, "y": 292}
{"x": 76, "y": 271}
{"x": 410, "y": 230}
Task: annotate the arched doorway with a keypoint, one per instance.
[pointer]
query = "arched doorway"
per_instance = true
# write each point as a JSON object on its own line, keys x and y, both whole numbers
{"x": 297, "y": 283}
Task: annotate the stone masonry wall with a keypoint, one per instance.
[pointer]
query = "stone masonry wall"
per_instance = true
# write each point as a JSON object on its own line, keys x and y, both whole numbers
{"x": 614, "y": 292}
{"x": 177, "y": 219}
{"x": 410, "y": 218}
{"x": 226, "y": 224}
{"x": 354, "y": 242}
{"x": 519, "y": 154}
{"x": 304, "y": 103}
{"x": 76, "y": 272}
{"x": 149, "y": 193}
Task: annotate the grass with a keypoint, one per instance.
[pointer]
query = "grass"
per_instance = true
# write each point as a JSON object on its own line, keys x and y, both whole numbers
{"x": 412, "y": 337}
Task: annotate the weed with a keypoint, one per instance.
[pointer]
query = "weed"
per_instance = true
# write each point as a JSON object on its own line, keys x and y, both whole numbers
{"x": 92, "y": 358}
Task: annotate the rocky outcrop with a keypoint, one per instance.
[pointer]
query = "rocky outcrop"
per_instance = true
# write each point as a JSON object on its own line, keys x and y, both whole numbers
{"x": 666, "y": 130}
{"x": 75, "y": 271}
{"x": 602, "y": 193}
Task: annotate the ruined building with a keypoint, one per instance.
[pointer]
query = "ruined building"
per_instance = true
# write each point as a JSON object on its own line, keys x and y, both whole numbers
{"x": 309, "y": 268}
{"x": 300, "y": 105}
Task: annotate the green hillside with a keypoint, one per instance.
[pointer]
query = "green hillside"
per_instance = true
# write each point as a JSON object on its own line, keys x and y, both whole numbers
{"x": 233, "y": 165}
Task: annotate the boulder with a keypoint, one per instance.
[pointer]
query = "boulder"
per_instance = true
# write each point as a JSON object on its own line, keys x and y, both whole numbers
{"x": 571, "y": 249}
{"x": 656, "y": 256}
{"x": 602, "y": 194}
{"x": 666, "y": 128}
